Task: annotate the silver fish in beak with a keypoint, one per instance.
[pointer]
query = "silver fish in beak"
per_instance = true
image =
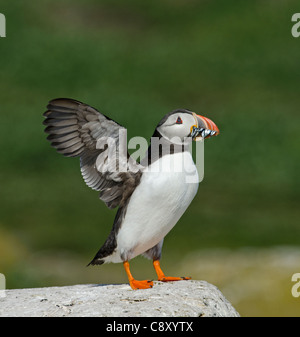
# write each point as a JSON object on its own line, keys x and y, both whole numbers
{"x": 203, "y": 128}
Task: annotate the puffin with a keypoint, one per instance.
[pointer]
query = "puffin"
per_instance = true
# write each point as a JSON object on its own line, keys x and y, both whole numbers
{"x": 150, "y": 195}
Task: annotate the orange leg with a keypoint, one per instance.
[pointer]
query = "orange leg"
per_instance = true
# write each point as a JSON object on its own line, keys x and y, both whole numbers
{"x": 134, "y": 283}
{"x": 161, "y": 276}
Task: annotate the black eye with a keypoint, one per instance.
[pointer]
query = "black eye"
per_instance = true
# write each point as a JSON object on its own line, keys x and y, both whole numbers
{"x": 179, "y": 120}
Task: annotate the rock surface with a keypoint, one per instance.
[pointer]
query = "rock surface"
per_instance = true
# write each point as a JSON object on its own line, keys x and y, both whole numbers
{"x": 173, "y": 299}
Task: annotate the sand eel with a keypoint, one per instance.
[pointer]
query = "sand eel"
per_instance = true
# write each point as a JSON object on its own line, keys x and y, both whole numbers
{"x": 151, "y": 196}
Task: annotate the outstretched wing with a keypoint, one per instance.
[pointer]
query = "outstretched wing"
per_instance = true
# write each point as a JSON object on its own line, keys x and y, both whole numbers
{"x": 77, "y": 130}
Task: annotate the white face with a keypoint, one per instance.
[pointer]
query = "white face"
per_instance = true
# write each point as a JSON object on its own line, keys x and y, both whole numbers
{"x": 177, "y": 127}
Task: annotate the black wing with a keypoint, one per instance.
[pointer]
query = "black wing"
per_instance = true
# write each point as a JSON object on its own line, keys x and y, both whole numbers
{"x": 77, "y": 130}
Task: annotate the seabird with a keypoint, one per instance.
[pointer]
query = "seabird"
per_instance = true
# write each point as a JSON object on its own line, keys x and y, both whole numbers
{"x": 151, "y": 196}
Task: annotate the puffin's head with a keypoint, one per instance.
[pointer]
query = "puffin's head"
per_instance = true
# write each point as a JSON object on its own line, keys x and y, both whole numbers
{"x": 180, "y": 124}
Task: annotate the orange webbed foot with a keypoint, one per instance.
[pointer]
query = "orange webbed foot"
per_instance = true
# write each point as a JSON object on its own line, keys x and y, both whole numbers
{"x": 135, "y": 284}
{"x": 145, "y": 284}
{"x": 161, "y": 276}
{"x": 171, "y": 279}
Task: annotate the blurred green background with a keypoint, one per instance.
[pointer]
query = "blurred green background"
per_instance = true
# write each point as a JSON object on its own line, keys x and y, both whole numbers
{"x": 235, "y": 62}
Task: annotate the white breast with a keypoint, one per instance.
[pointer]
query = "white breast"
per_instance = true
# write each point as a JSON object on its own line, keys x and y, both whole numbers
{"x": 156, "y": 205}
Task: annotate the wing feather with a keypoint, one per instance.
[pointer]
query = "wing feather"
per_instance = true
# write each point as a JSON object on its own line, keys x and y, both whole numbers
{"x": 77, "y": 130}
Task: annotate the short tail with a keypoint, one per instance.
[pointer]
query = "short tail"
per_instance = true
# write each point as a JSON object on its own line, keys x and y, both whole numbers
{"x": 96, "y": 261}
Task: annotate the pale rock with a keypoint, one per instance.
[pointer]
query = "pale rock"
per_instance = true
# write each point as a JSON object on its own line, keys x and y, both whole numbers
{"x": 174, "y": 299}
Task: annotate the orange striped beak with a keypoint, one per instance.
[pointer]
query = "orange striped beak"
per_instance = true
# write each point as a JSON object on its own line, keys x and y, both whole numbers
{"x": 204, "y": 128}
